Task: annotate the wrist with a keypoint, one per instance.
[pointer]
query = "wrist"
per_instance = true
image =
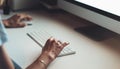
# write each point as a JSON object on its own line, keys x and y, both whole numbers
{"x": 46, "y": 58}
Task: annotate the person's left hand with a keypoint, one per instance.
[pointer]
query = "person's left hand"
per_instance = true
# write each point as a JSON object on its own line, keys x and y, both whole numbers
{"x": 17, "y": 21}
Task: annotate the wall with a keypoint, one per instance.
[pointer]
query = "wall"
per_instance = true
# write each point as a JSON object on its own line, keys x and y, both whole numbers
{"x": 23, "y": 4}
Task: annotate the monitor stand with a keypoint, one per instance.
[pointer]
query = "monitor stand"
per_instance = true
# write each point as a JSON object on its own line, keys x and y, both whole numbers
{"x": 96, "y": 32}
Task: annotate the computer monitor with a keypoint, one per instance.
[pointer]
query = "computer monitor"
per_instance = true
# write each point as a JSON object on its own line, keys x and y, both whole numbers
{"x": 104, "y": 13}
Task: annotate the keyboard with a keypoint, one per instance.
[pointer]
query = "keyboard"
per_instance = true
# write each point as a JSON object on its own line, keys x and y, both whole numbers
{"x": 41, "y": 36}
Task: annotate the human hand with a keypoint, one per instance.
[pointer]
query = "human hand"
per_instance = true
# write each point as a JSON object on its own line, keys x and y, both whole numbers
{"x": 17, "y": 21}
{"x": 52, "y": 49}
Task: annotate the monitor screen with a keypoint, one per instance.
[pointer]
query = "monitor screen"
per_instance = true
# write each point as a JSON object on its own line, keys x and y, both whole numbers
{"x": 111, "y": 6}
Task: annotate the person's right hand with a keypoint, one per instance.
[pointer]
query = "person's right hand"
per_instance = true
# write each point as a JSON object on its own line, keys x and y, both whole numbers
{"x": 52, "y": 49}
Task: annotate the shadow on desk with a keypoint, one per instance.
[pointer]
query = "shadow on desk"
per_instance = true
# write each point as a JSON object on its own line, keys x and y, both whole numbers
{"x": 96, "y": 32}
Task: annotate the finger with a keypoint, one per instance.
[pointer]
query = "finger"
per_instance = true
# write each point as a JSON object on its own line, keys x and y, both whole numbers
{"x": 57, "y": 42}
{"x": 26, "y": 17}
{"x": 18, "y": 25}
{"x": 60, "y": 42}
{"x": 65, "y": 44}
{"x": 52, "y": 40}
{"x": 48, "y": 42}
{"x": 23, "y": 17}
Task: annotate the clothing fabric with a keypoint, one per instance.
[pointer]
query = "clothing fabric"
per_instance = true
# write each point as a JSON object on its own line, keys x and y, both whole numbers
{"x": 3, "y": 34}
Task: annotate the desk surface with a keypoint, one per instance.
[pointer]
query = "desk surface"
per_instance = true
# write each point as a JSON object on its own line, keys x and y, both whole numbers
{"x": 89, "y": 54}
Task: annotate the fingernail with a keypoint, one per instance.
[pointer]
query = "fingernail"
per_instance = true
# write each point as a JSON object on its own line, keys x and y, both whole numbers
{"x": 67, "y": 42}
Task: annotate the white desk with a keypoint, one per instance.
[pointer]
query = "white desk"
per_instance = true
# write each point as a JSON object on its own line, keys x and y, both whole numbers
{"x": 89, "y": 54}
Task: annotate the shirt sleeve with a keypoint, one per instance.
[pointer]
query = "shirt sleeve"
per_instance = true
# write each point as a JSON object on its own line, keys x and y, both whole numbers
{"x": 3, "y": 34}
